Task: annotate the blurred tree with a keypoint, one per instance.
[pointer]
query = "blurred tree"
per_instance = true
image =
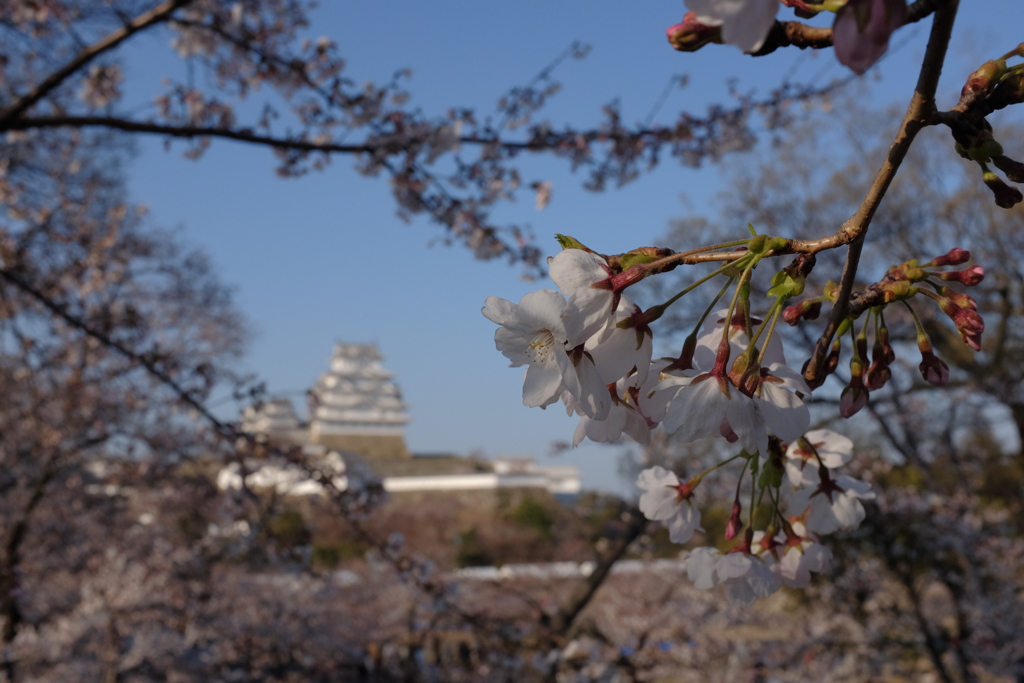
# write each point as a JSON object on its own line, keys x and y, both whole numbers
{"x": 62, "y": 72}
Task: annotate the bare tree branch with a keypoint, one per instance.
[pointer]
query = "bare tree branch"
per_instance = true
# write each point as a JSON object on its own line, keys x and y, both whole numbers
{"x": 156, "y": 15}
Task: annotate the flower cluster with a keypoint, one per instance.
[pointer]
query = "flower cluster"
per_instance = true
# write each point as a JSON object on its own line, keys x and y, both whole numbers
{"x": 807, "y": 497}
{"x": 590, "y": 347}
{"x": 994, "y": 85}
{"x": 900, "y": 284}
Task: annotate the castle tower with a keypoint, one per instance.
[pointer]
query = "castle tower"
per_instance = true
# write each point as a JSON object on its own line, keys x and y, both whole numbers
{"x": 355, "y": 407}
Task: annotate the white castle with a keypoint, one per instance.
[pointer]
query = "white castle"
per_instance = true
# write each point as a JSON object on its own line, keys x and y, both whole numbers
{"x": 357, "y": 414}
{"x": 357, "y": 397}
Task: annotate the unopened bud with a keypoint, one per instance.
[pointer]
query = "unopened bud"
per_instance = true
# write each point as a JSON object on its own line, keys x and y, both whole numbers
{"x": 878, "y": 373}
{"x": 980, "y": 84}
{"x": 732, "y": 527}
{"x": 1014, "y": 170}
{"x": 933, "y": 370}
{"x": 877, "y": 376}
{"x": 690, "y": 35}
{"x": 968, "y": 322}
{"x": 954, "y": 257}
{"x": 959, "y": 298}
{"x": 970, "y": 277}
{"x": 1006, "y": 197}
{"x": 861, "y": 31}
{"x": 853, "y": 398}
{"x": 805, "y": 310}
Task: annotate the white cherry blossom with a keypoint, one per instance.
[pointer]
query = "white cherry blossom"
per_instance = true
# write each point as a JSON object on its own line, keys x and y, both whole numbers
{"x": 617, "y": 350}
{"x": 785, "y": 414}
{"x": 533, "y": 334}
{"x": 666, "y": 499}
{"x": 834, "y": 504}
{"x": 745, "y": 23}
{"x": 798, "y": 556}
{"x": 833, "y": 449}
{"x": 590, "y": 308}
{"x": 623, "y": 418}
{"x": 661, "y": 386}
{"x": 745, "y": 577}
{"x": 699, "y": 407}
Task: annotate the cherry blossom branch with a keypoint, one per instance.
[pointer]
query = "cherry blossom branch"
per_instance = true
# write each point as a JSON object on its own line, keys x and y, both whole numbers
{"x": 191, "y": 131}
{"x": 150, "y": 366}
{"x": 921, "y": 113}
{"x": 800, "y": 35}
{"x": 156, "y": 15}
{"x": 795, "y": 34}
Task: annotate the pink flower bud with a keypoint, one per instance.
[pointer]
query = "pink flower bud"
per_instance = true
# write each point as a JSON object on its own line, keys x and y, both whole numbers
{"x": 933, "y": 370}
{"x": 806, "y": 310}
{"x": 954, "y": 257}
{"x": 862, "y": 29}
{"x": 690, "y": 35}
{"x": 853, "y": 398}
{"x": 878, "y": 374}
{"x": 970, "y": 277}
{"x": 732, "y": 527}
{"x": 968, "y": 322}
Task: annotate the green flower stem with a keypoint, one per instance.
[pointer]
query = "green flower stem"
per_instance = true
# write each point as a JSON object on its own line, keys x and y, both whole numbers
{"x": 690, "y": 288}
{"x": 696, "y": 479}
{"x": 744, "y": 278}
{"x": 921, "y": 334}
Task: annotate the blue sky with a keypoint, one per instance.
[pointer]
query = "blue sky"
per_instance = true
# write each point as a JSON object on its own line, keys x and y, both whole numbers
{"x": 323, "y": 258}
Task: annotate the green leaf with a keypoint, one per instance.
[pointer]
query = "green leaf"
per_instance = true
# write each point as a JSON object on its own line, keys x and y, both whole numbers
{"x": 570, "y": 242}
{"x": 785, "y": 285}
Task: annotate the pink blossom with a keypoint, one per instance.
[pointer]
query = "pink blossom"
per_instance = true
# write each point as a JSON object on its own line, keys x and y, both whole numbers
{"x": 862, "y": 29}
{"x": 690, "y": 35}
